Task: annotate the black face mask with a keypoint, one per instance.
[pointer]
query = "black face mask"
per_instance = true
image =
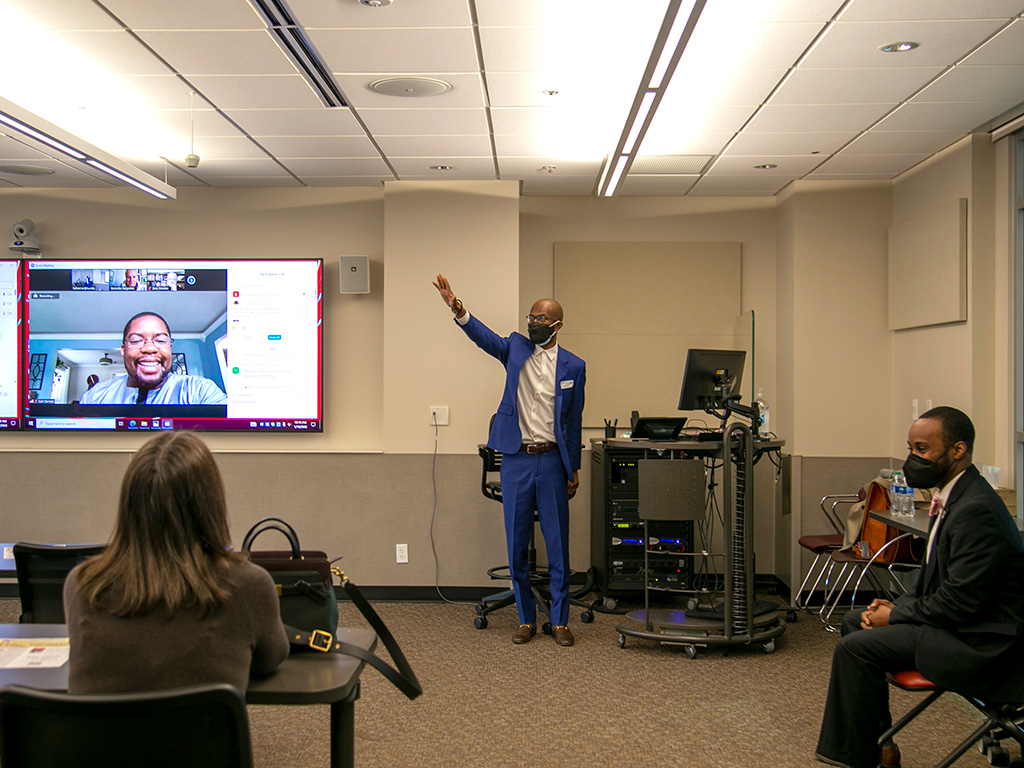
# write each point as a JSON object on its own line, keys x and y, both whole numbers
{"x": 541, "y": 334}
{"x": 922, "y": 473}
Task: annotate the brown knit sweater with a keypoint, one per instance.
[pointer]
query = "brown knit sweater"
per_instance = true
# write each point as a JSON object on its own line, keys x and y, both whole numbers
{"x": 157, "y": 650}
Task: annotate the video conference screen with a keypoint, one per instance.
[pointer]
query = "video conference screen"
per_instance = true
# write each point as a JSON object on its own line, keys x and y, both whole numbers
{"x": 10, "y": 346}
{"x": 232, "y": 345}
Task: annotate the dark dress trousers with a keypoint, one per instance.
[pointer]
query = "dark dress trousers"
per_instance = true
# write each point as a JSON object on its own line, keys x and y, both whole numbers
{"x": 960, "y": 627}
{"x": 535, "y": 481}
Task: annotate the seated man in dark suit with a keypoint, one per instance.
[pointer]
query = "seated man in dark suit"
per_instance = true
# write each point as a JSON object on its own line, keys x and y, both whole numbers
{"x": 961, "y": 625}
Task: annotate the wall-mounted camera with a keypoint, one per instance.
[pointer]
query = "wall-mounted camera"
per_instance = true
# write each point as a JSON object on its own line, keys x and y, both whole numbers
{"x": 26, "y": 238}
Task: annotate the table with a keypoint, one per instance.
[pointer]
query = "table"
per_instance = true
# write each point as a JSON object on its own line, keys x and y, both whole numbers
{"x": 303, "y": 678}
{"x": 918, "y": 524}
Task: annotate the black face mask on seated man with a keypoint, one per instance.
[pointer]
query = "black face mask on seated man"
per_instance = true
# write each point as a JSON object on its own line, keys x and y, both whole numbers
{"x": 922, "y": 473}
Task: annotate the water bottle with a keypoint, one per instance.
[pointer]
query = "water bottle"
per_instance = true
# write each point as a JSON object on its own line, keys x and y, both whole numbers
{"x": 764, "y": 430}
{"x": 898, "y": 495}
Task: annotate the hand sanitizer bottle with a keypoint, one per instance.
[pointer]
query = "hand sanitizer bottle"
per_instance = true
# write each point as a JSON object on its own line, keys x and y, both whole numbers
{"x": 764, "y": 431}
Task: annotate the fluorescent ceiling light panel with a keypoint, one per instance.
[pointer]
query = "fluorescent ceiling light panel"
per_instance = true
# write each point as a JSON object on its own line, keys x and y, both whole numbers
{"x": 639, "y": 121}
{"x": 671, "y": 43}
{"x": 44, "y": 135}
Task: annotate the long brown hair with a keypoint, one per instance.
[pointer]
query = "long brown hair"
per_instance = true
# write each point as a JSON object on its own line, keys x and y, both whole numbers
{"x": 170, "y": 544}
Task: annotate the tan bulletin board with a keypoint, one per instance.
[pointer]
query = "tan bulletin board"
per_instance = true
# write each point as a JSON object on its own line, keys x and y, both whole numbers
{"x": 632, "y": 310}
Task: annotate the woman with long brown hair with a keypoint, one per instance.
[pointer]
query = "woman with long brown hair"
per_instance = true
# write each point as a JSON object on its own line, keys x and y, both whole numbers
{"x": 168, "y": 603}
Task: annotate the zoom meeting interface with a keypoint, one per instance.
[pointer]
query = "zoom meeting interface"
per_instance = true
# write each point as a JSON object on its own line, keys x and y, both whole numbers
{"x": 9, "y": 327}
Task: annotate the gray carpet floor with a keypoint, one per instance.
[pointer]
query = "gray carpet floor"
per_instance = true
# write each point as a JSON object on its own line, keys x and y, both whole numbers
{"x": 489, "y": 702}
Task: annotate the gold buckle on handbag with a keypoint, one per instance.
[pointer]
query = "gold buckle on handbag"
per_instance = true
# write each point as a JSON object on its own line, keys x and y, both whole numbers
{"x": 320, "y": 640}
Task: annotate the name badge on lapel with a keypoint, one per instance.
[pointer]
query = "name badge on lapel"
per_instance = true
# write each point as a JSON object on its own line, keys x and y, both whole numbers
{"x": 567, "y": 384}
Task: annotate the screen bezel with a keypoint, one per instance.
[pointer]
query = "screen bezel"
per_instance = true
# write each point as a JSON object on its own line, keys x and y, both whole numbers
{"x": 131, "y": 418}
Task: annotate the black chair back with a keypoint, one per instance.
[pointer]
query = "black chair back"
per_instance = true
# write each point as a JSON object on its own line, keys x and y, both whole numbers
{"x": 490, "y": 479}
{"x": 197, "y": 726}
{"x": 42, "y": 570}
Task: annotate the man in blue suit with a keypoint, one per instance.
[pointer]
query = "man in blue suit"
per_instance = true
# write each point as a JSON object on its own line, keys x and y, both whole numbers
{"x": 537, "y": 429}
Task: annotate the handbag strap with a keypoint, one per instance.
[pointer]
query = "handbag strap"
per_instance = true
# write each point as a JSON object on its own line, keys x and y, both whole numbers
{"x": 273, "y": 524}
{"x": 402, "y": 678}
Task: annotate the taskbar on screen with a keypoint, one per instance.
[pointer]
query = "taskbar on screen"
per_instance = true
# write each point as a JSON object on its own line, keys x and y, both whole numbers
{"x": 135, "y": 424}
{"x": 9, "y": 423}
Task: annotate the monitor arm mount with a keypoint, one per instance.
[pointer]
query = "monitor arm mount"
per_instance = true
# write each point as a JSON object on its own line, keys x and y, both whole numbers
{"x": 731, "y": 406}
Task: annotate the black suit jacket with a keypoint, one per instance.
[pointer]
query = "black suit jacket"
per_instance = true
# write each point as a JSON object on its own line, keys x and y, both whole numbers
{"x": 969, "y": 598}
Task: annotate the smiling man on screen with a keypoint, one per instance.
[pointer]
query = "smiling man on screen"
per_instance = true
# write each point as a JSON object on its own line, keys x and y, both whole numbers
{"x": 146, "y": 349}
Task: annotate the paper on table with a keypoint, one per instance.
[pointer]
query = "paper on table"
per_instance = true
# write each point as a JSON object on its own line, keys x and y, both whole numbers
{"x": 38, "y": 652}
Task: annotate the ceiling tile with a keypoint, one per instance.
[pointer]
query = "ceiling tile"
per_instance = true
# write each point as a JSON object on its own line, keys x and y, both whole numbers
{"x": 900, "y": 10}
{"x": 656, "y": 185}
{"x": 206, "y": 122}
{"x": 344, "y": 181}
{"x": 55, "y": 15}
{"x": 786, "y": 165}
{"x": 754, "y": 144}
{"x": 1005, "y": 48}
{"x": 217, "y": 168}
{"x": 426, "y": 51}
{"x": 739, "y": 185}
{"x": 321, "y": 121}
{"x": 878, "y": 142}
{"x": 184, "y": 14}
{"x": 942, "y": 117}
{"x": 318, "y": 146}
{"x": 853, "y": 86}
{"x": 579, "y": 186}
{"x": 469, "y": 167}
{"x": 351, "y": 15}
{"x": 528, "y": 167}
{"x": 668, "y": 135}
{"x": 338, "y": 167}
{"x": 891, "y": 164}
{"x": 256, "y": 91}
{"x": 427, "y": 122}
{"x": 856, "y": 44}
{"x": 977, "y": 84}
{"x": 427, "y": 146}
{"x": 818, "y": 119}
{"x": 220, "y": 52}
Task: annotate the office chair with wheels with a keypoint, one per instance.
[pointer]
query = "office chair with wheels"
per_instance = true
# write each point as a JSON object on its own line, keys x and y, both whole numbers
{"x": 196, "y": 726}
{"x": 1001, "y": 721}
{"x": 42, "y": 569}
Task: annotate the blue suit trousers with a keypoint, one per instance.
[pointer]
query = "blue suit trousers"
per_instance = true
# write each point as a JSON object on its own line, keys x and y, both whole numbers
{"x": 529, "y": 482}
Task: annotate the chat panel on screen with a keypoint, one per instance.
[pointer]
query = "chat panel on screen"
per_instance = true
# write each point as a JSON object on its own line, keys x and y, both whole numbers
{"x": 10, "y": 348}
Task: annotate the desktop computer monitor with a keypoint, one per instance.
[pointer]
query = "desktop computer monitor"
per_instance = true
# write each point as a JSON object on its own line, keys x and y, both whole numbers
{"x": 710, "y": 377}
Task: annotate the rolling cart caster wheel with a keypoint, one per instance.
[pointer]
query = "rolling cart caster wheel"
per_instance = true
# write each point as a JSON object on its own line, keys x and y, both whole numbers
{"x": 609, "y": 603}
{"x": 986, "y": 743}
{"x": 791, "y": 617}
{"x": 480, "y": 622}
{"x": 479, "y": 610}
{"x": 690, "y": 651}
{"x": 546, "y": 628}
{"x": 998, "y": 755}
{"x": 769, "y": 647}
{"x": 691, "y": 604}
{"x": 622, "y": 641}
{"x": 586, "y": 617}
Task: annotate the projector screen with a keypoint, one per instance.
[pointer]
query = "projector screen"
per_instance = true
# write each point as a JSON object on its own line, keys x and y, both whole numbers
{"x": 232, "y": 345}
{"x": 10, "y": 343}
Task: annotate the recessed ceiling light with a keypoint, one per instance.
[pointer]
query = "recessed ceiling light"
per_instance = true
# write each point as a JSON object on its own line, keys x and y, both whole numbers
{"x": 410, "y": 86}
{"x": 550, "y": 92}
{"x": 26, "y": 170}
{"x": 549, "y": 168}
{"x": 376, "y": 3}
{"x": 442, "y": 167}
{"x": 901, "y": 47}
{"x": 766, "y": 166}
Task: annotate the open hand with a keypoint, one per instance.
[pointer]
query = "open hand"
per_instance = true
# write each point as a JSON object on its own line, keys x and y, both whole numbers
{"x": 445, "y": 289}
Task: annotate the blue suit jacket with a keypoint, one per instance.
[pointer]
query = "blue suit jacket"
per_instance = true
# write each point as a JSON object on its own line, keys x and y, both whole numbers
{"x": 570, "y": 380}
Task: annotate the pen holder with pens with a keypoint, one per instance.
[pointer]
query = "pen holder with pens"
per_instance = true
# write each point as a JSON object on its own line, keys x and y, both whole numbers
{"x": 609, "y": 429}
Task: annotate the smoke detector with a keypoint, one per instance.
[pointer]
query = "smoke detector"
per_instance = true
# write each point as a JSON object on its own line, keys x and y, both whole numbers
{"x": 375, "y": 3}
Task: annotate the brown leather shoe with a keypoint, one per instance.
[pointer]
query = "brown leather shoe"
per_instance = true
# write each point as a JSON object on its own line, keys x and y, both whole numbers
{"x": 890, "y": 757}
{"x": 523, "y": 633}
{"x": 562, "y": 635}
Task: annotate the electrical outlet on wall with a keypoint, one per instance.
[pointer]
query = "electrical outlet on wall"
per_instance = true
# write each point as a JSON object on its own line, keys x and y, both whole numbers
{"x": 439, "y": 415}
{"x": 401, "y": 553}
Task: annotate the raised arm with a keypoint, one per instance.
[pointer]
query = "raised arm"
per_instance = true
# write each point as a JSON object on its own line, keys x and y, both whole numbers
{"x": 448, "y": 296}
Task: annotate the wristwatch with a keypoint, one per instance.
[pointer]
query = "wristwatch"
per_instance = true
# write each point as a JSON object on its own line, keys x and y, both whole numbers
{"x": 456, "y": 306}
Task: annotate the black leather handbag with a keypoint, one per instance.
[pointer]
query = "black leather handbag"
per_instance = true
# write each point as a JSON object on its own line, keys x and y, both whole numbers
{"x": 309, "y": 604}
